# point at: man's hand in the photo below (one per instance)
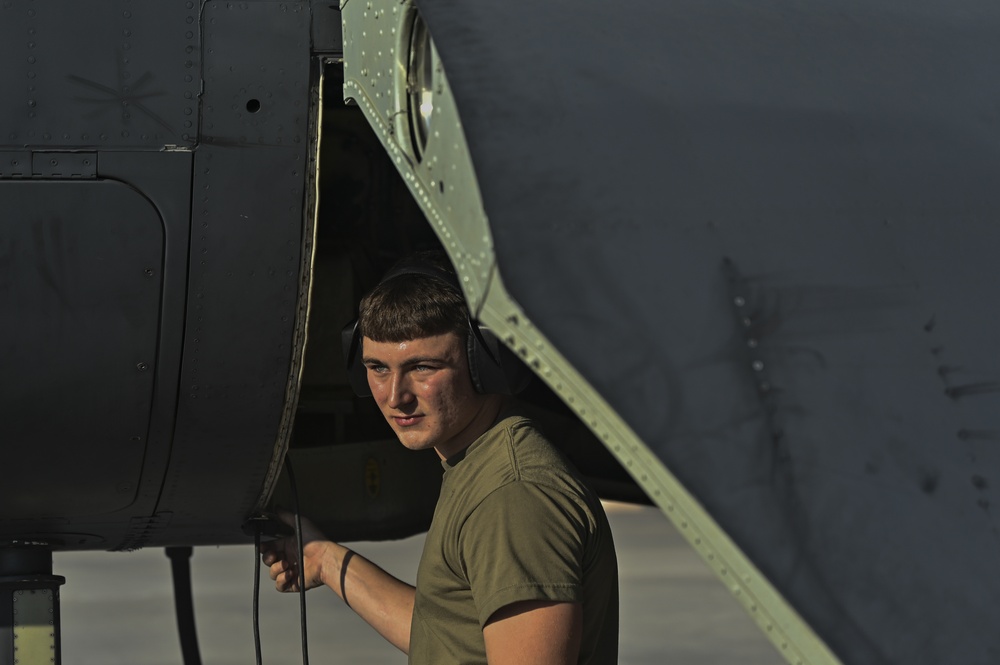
(379, 598)
(534, 632)
(281, 556)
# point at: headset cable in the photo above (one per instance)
(274, 528)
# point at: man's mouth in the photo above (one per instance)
(407, 421)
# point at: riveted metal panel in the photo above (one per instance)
(165, 179)
(15, 164)
(113, 73)
(249, 226)
(255, 74)
(440, 175)
(80, 286)
(34, 630)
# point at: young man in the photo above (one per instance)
(519, 563)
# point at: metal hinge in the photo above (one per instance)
(49, 164)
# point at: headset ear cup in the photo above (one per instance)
(351, 344)
(474, 353)
(495, 369)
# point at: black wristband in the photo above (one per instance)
(343, 575)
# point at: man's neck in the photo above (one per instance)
(485, 418)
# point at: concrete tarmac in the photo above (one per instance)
(118, 608)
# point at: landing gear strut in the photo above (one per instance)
(29, 605)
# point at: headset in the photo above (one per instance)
(494, 368)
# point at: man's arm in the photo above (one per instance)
(534, 632)
(383, 601)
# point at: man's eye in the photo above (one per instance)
(378, 369)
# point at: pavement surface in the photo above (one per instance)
(117, 608)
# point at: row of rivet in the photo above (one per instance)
(711, 556)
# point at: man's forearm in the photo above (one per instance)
(383, 601)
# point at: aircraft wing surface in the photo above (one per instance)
(766, 233)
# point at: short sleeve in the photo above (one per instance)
(524, 542)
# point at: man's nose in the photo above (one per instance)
(399, 391)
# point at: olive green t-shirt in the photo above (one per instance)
(513, 522)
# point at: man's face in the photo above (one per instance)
(424, 390)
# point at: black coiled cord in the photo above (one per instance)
(301, 576)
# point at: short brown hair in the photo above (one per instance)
(411, 305)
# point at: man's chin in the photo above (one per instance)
(413, 440)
